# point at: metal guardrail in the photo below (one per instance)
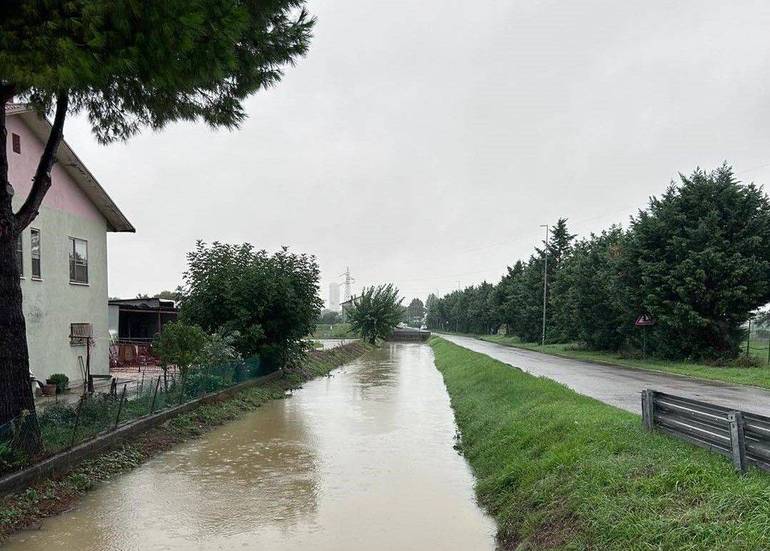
(742, 436)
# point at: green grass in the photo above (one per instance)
(336, 331)
(558, 470)
(757, 376)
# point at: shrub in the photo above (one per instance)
(746, 361)
(60, 380)
(202, 382)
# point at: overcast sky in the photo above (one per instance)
(423, 143)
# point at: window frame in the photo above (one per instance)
(39, 257)
(20, 255)
(80, 338)
(16, 143)
(73, 263)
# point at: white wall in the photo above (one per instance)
(53, 303)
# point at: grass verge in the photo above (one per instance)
(756, 376)
(336, 331)
(49, 497)
(560, 470)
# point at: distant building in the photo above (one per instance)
(334, 297)
(139, 320)
(347, 306)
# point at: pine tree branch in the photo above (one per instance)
(41, 182)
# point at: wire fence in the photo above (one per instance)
(64, 425)
(757, 344)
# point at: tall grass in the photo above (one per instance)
(560, 470)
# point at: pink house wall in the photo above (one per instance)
(64, 194)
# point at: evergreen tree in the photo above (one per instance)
(700, 263)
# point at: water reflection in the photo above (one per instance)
(359, 460)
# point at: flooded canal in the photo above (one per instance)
(359, 460)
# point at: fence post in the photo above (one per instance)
(648, 409)
(77, 420)
(181, 393)
(120, 406)
(737, 440)
(155, 395)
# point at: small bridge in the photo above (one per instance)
(409, 334)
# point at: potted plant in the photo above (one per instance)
(60, 380)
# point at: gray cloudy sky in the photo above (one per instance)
(424, 143)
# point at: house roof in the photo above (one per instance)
(69, 161)
(159, 304)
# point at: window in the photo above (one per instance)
(16, 142)
(78, 260)
(80, 333)
(20, 255)
(34, 253)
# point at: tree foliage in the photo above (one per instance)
(268, 301)
(696, 259)
(376, 312)
(330, 317)
(414, 313)
(181, 345)
(700, 263)
(133, 64)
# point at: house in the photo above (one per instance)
(347, 306)
(63, 254)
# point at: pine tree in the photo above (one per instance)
(700, 263)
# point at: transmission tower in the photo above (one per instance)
(349, 280)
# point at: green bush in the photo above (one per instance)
(202, 382)
(746, 361)
(60, 380)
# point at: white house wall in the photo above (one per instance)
(53, 303)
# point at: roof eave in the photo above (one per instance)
(116, 220)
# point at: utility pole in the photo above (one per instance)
(545, 281)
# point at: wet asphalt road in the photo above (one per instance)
(619, 386)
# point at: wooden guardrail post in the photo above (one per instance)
(648, 409)
(737, 440)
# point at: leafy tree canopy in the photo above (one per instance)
(269, 301)
(330, 317)
(376, 312)
(180, 344)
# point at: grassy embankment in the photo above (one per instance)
(560, 470)
(757, 376)
(336, 331)
(49, 497)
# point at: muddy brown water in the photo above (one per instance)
(359, 460)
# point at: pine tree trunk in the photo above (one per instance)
(16, 399)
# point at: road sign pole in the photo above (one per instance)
(545, 283)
